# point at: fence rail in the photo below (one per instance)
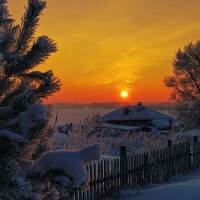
(108, 177)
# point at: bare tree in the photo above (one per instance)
(185, 84)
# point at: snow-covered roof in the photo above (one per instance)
(138, 112)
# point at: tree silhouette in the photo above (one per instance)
(185, 83)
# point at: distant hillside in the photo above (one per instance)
(103, 105)
(110, 105)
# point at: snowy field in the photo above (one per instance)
(180, 187)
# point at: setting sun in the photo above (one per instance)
(124, 94)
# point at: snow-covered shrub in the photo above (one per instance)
(80, 135)
(88, 132)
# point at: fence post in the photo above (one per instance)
(123, 167)
(195, 153)
(170, 170)
(195, 138)
(169, 142)
(122, 151)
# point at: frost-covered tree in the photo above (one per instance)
(28, 167)
(185, 84)
(24, 124)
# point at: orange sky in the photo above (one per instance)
(106, 46)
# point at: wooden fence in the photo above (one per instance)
(108, 177)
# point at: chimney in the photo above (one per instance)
(140, 107)
(126, 111)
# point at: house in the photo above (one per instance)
(140, 117)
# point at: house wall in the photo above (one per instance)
(129, 122)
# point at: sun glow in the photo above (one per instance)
(124, 94)
(128, 65)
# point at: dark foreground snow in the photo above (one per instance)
(180, 187)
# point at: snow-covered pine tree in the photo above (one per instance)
(24, 124)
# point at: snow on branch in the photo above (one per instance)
(71, 163)
(20, 89)
(29, 119)
(10, 135)
(63, 180)
(34, 74)
(2, 62)
(34, 196)
(24, 101)
(6, 111)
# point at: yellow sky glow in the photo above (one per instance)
(108, 45)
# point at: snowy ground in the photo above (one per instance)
(180, 187)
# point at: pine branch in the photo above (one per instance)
(29, 24)
(40, 51)
(5, 84)
(49, 85)
(9, 96)
(23, 101)
(8, 41)
(5, 19)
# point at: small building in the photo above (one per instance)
(141, 118)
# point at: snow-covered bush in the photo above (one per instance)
(80, 135)
(91, 131)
